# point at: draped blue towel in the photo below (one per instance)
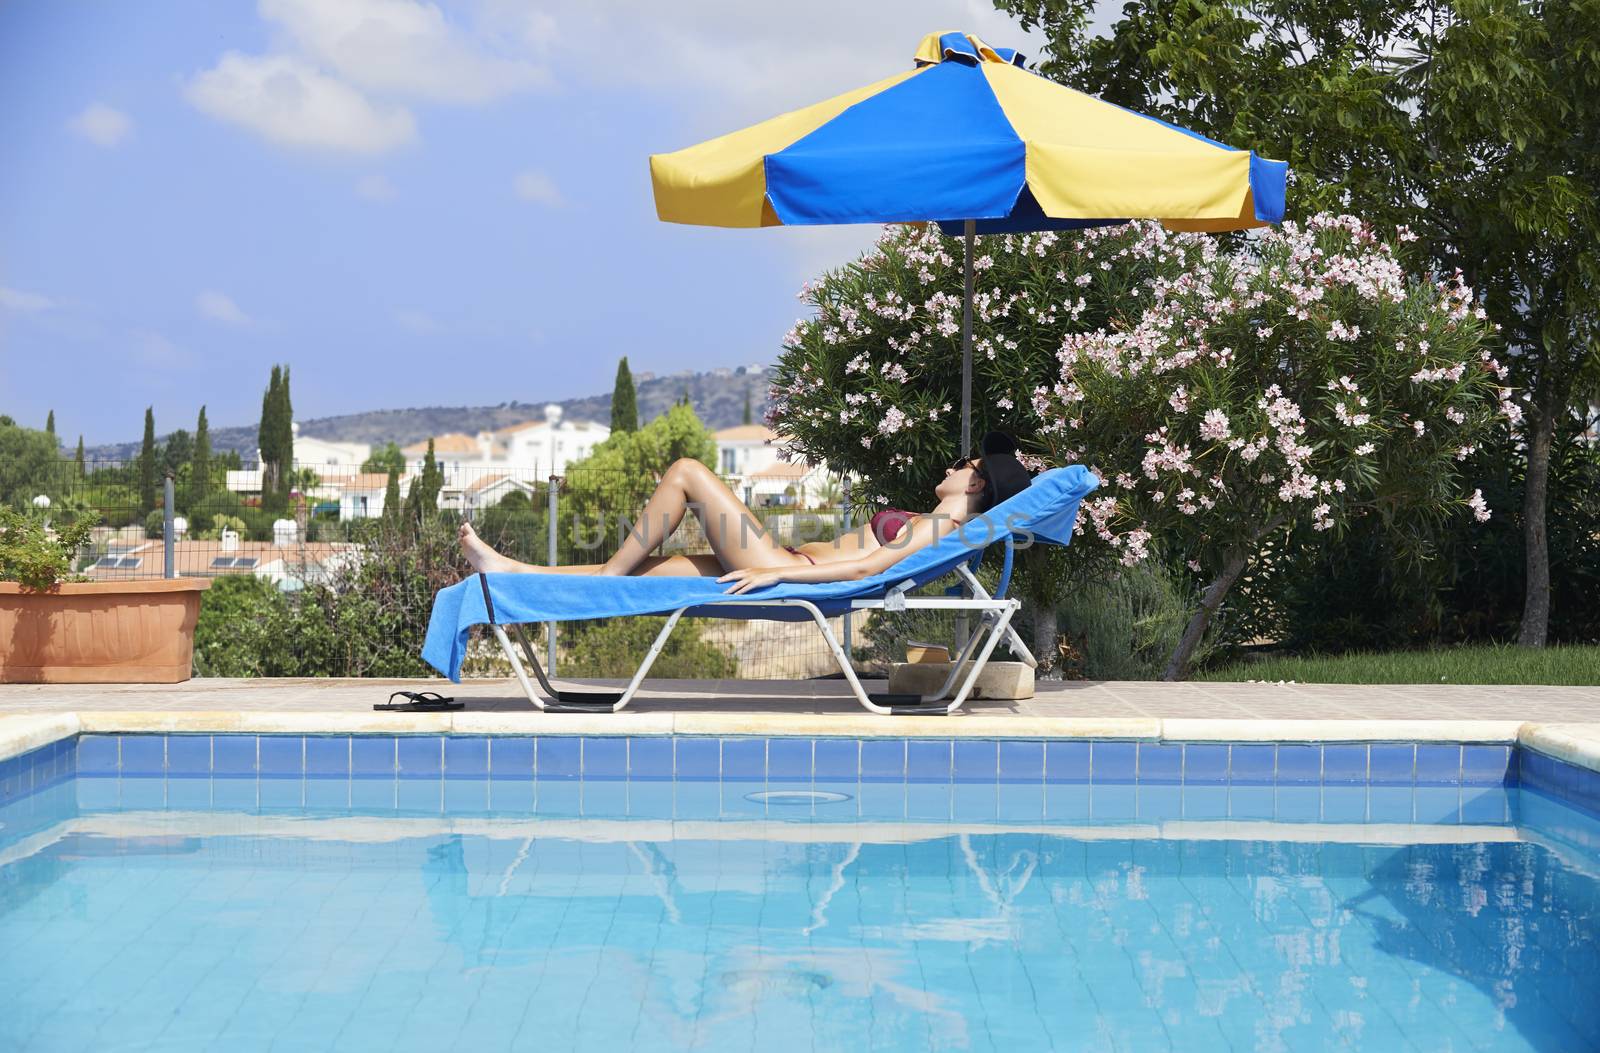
(1044, 512)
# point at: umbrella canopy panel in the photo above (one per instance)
(967, 135)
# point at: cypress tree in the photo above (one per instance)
(147, 464)
(285, 424)
(200, 465)
(50, 423)
(391, 497)
(79, 459)
(747, 404)
(624, 400)
(423, 500)
(267, 436)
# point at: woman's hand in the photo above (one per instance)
(752, 578)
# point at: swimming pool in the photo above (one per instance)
(439, 892)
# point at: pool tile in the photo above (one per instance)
(929, 799)
(189, 792)
(789, 759)
(975, 802)
(280, 793)
(1437, 804)
(327, 793)
(1253, 764)
(1021, 761)
(837, 759)
(373, 793)
(1066, 762)
(1485, 765)
(650, 757)
(511, 757)
(557, 757)
(1205, 764)
(1484, 805)
(1114, 762)
(605, 758)
(735, 797)
(328, 755)
(233, 754)
(696, 798)
(1438, 765)
(1205, 801)
(1389, 804)
(1066, 801)
(1020, 802)
(1344, 764)
(1299, 764)
(883, 759)
(1160, 801)
(975, 761)
(466, 794)
(1252, 801)
(466, 757)
(929, 760)
(511, 794)
(1392, 764)
(1298, 802)
(419, 794)
(282, 755)
(189, 755)
(744, 759)
(560, 798)
(1344, 803)
(697, 758)
(373, 756)
(235, 793)
(1115, 801)
(1161, 763)
(144, 754)
(649, 797)
(97, 754)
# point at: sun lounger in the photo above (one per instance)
(1045, 512)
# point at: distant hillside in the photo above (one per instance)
(718, 398)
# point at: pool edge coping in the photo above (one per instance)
(1576, 744)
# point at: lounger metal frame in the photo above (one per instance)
(994, 623)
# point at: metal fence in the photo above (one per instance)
(312, 524)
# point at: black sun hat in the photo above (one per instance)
(1004, 474)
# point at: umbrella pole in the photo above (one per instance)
(966, 343)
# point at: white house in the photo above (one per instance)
(744, 449)
(747, 457)
(547, 447)
(362, 497)
(310, 452)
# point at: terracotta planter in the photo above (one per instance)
(99, 632)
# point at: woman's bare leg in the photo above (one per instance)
(486, 560)
(736, 536)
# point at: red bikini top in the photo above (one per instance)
(887, 524)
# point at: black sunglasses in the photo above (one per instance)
(964, 461)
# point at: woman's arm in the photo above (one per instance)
(923, 531)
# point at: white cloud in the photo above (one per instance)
(220, 307)
(101, 125)
(416, 321)
(24, 302)
(288, 102)
(154, 351)
(376, 188)
(404, 48)
(533, 185)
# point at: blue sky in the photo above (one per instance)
(412, 204)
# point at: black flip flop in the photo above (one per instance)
(419, 702)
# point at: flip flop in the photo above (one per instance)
(419, 702)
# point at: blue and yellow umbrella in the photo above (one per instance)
(971, 140)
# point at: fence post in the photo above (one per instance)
(167, 512)
(550, 627)
(844, 528)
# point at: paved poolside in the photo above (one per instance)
(1074, 699)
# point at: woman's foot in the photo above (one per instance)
(483, 559)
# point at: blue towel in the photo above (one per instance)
(1044, 512)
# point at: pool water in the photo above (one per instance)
(187, 913)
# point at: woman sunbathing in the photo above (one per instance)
(748, 557)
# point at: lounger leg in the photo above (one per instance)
(649, 659)
(516, 665)
(1013, 638)
(844, 660)
(983, 657)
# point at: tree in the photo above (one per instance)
(78, 460)
(50, 423)
(1221, 396)
(746, 405)
(200, 461)
(624, 400)
(423, 500)
(149, 464)
(275, 437)
(1475, 123)
(177, 451)
(27, 462)
(391, 497)
(388, 460)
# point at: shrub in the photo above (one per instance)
(35, 556)
(612, 650)
(1125, 626)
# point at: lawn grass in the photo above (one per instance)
(1487, 664)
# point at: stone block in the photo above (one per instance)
(999, 680)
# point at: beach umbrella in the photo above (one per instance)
(971, 140)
